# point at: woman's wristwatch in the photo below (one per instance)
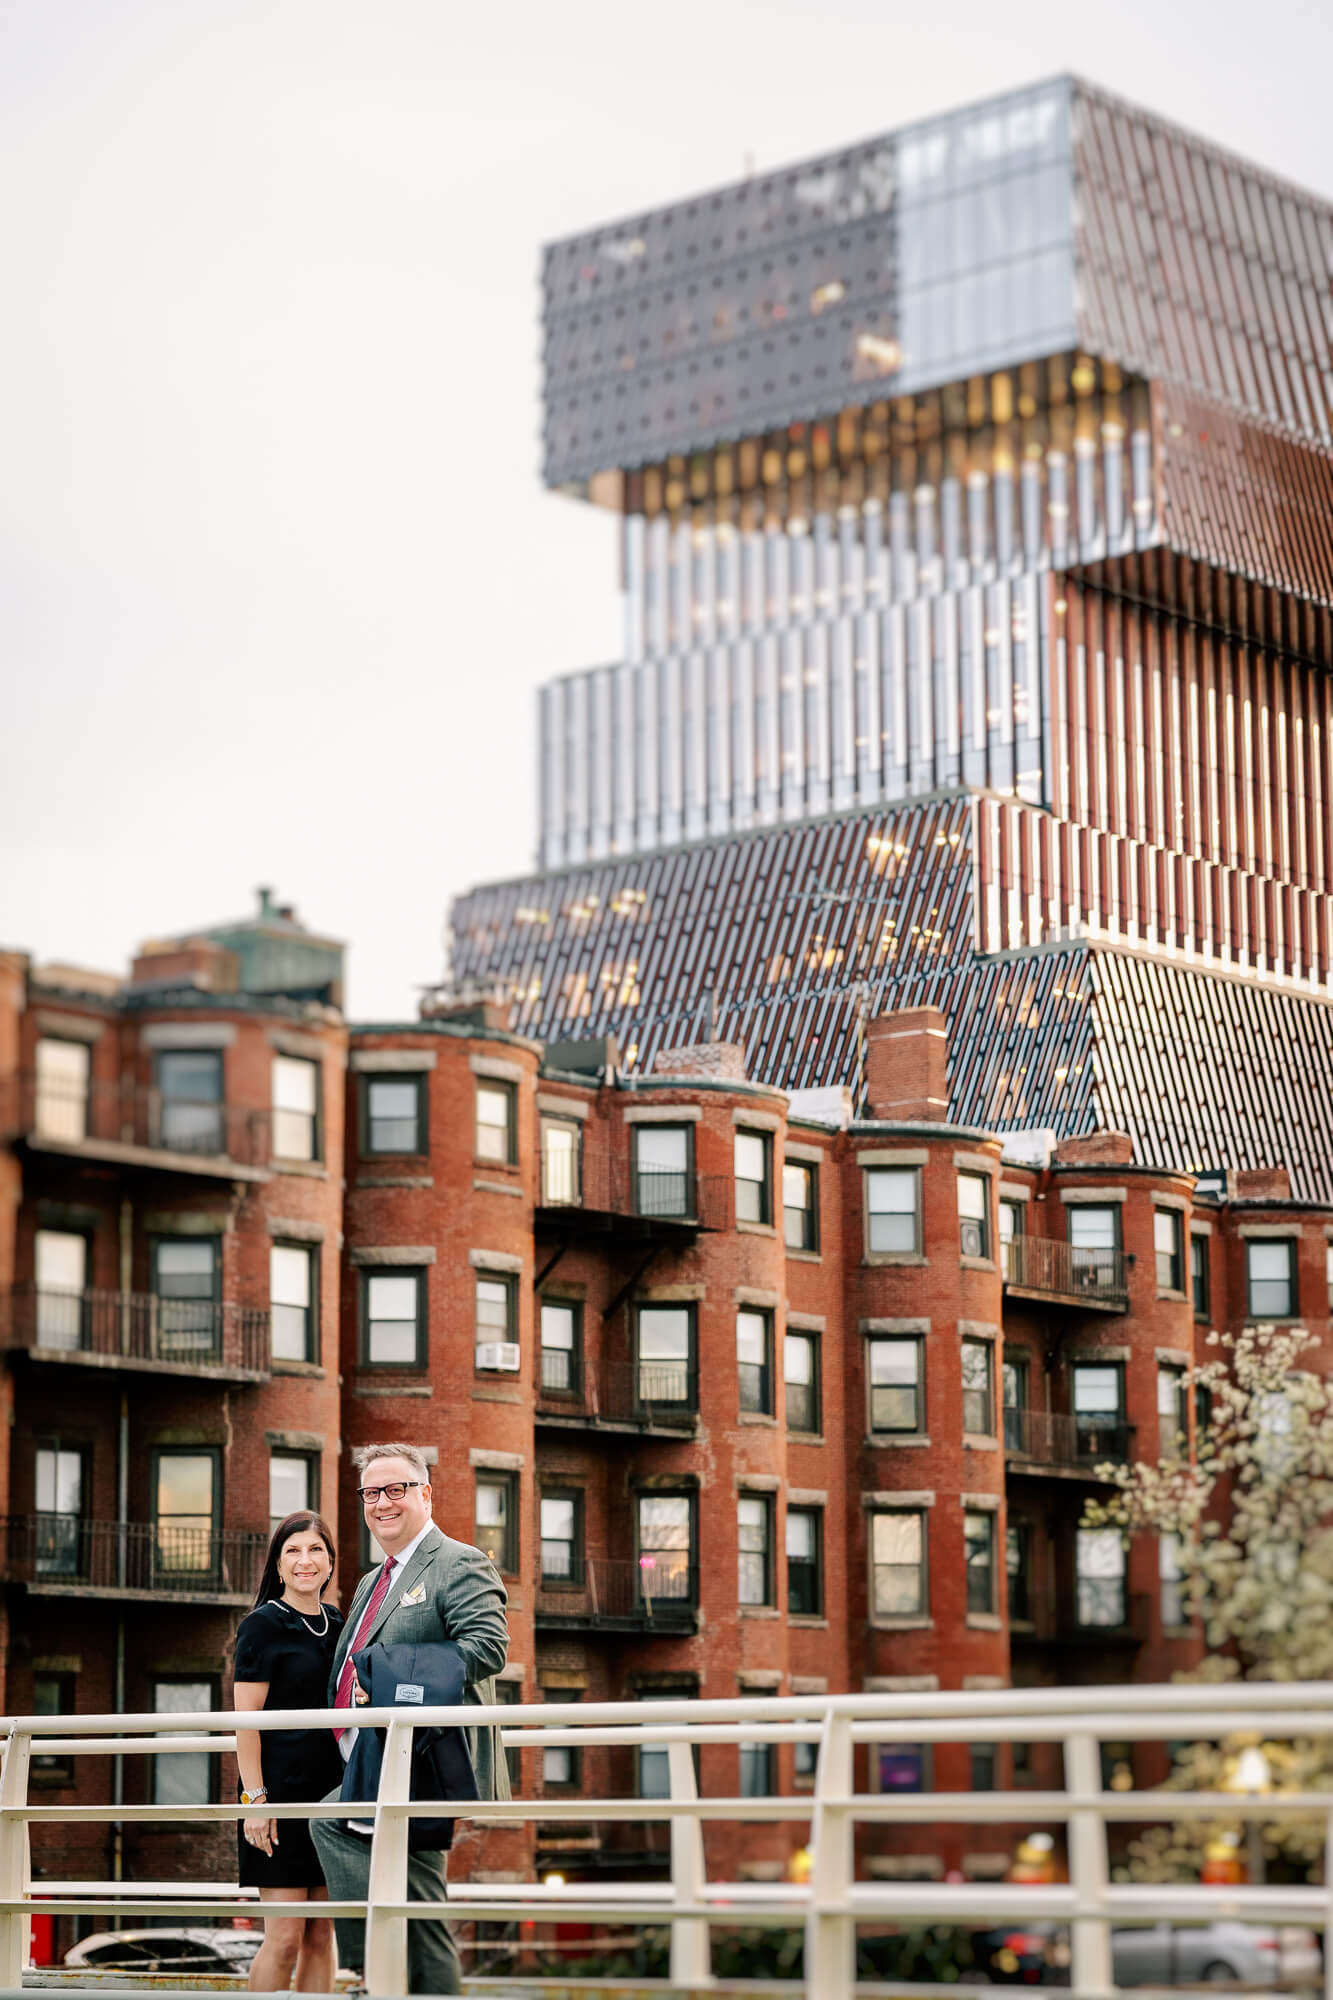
(254, 1798)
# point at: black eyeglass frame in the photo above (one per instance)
(393, 1491)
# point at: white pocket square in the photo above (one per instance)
(417, 1596)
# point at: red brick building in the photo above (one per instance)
(740, 1401)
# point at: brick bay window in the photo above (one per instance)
(974, 1215)
(754, 1360)
(800, 1205)
(898, 1563)
(296, 1133)
(754, 1177)
(893, 1211)
(754, 1529)
(897, 1386)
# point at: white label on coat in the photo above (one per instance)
(408, 1691)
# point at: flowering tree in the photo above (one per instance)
(1252, 1517)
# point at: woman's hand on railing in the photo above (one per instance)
(261, 1833)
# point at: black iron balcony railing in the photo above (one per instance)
(1045, 1266)
(1052, 1437)
(148, 1558)
(136, 1328)
(645, 1394)
(55, 1113)
(660, 1590)
(598, 1185)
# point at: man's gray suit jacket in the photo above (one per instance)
(463, 1599)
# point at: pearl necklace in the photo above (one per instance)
(318, 1630)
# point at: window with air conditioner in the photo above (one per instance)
(497, 1323)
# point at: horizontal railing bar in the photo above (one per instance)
(215, 1810)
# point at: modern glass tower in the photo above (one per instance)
(976, 489)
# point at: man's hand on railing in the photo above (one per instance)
(261, 1833)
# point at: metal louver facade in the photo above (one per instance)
(976, 489)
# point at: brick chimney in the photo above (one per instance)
(1096, 1149)
(718, 1060)
(906, 1061)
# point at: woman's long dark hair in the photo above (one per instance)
(300, 1523)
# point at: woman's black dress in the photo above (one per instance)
(276, 1644)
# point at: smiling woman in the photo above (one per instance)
(284, 1651)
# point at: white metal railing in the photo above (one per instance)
(829, 1906)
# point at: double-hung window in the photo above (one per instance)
(754, 1360)
(61, 1270)
(1168, 1235)
(666, 1547)
(893, 1210)
(663, 1181)
(1094, 1239)
(562, 1764)
(495, 1511)
(293, 1485)
(393, 1114)
(800, 1368)
(186, 1777)
(800, 1205)
(189, 1101)
(978, 1396)
(496, 1321)
(562, 1146)
(1099, 1556)
(1270, 1277)
(979, 1552)
(393, 1319)
(187, 1280)
(497, 1123)
(1015, 1375)
(898, 1564)
(1199, 1291)
(1018, 1568)
(754, 1525)
(897, 1389)
(187, 1491)
(63, 1084)
(293, 1289)
(1170, 1411)
(52, 1694)
(666, 1357)
(60, 1487)
(1099, 1409)
(560, 1329)
(562, 1537)
(296, 1134)
(754, 1177)
(974, 1215)
(1172, 1601)
(805, 1549)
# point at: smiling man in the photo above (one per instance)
(427, 1588)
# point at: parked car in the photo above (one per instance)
(167, 1950)
(1215, 1954)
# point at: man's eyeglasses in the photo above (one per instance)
(393, 1492)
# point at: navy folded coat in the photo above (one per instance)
(429, 1675)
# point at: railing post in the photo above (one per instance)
(830, 1929)
(14, 1872)
(1090, 1970)
(691, 1954)
(386, 1936)
(1328, 1924)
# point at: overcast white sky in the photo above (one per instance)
(277, 574)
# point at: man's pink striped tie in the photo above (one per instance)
(343, 1698)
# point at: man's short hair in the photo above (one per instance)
(366, 1454)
